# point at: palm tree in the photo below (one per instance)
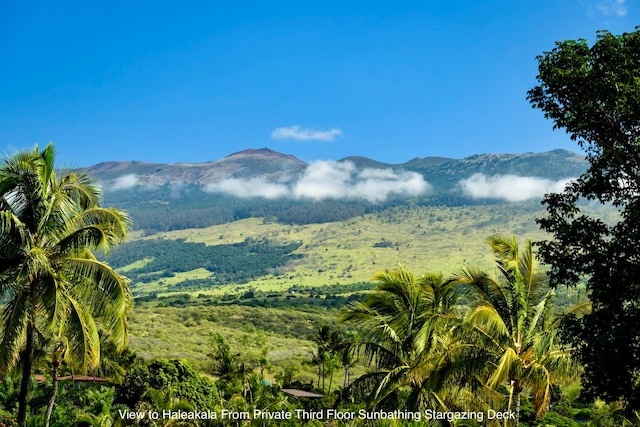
(509, 336)
(349, 351)
(49, 276)
(324, 338)
(226, 364)
(403, 324)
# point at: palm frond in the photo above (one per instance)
(99, 285)
(539, 382)
(12, 228)
(508, 366)
(486, 319)
(82, 188)
(35, 265)
(483, 289)
(82, 333)
(15, 316)
(577, 310)
(536, 317)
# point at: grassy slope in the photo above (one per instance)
(423, 238)
(186, 332)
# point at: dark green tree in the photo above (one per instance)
(593, 93)
(167, 384)
(327, 341)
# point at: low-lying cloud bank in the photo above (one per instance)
(330, 180)
(512, 188)
(343, 180)
(124, 182)
(254, 187)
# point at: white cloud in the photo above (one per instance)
(305, 134)
(340, 180)
(255, 187)
(512, 188)
(124, 182)
(324, 179)
(330, 180)
(611, 7)
(377, 189)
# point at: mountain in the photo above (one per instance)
(554, 164)
(250, 163)
(426, 162)
(266, 163)
(272, 166)
(366, 163)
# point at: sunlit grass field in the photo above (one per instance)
(439, 239)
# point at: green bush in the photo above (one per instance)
(556, 420)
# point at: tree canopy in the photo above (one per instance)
(593, 93)
(53, 286)
(509, 334)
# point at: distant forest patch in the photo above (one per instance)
(232, 263)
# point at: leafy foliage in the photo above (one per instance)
(404, 326)
(593, 92)
(173, 376)
(429, 355)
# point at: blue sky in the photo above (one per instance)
(195, 81)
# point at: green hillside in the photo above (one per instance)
(342, 252)
(440, 239)
(178, 330)
(279, 311)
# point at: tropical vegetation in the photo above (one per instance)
(440, 356)
(283, 327)
(510, 334)
(58, 297)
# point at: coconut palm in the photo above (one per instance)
(323, 338)
(404, 323)
(50, 280)
(349, 351)
(509, 335)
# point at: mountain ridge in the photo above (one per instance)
(273, 166)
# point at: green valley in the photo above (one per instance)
(175, 315)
